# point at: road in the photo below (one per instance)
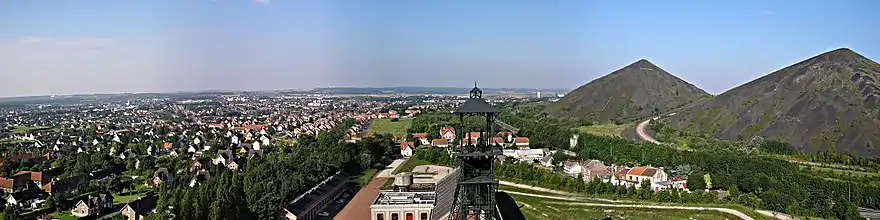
(640, 130)
(576, 201)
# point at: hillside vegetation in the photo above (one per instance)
(636, 91)
(825, 103)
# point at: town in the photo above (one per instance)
(101, 156)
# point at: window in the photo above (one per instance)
(424, 216)
(380, 216)
(409, 216)
(395, 216)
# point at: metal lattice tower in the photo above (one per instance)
(475, 193)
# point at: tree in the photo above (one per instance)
(708, 180)
(11, 212)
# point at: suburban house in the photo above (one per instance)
(406, 148)
(508, 136)
(92, 205)
(36, 177)
(594, 170)
(139, 209)
(635, 176)
(17, 183)
(421, 137)
(521, 142)
(223, 156)
(572, 168)
(447, 133)
(474, 135)
(160, 176)
(498, 141)
(440, 143)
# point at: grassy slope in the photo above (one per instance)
(607, 129)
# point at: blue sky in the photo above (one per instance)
(85, 46)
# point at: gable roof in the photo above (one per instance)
(142, 206)
(405, 144)
(445, 130)
(521, 140)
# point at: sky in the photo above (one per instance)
(108, 46)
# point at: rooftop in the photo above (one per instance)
(405, 198)
(430, 173)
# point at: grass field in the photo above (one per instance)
(608, 129)
(396, 128)
(65, 215)
(539, 208)
(365, 177)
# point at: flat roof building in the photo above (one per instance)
(441, 181)
(403, 206)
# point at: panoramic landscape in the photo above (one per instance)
(380, 110)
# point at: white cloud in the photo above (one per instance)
(265, 2)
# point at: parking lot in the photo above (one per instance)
(337, 205)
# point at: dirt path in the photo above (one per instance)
(640, 130)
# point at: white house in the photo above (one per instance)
(406, 148)
(636, 175)
(572, 168)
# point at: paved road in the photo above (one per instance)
(577, 202)
(386, 173)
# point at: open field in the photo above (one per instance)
(607, 129)
(535, 208)
(396, 128)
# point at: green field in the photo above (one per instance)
(65, 215)
(608, 129)
(396, 128)
(365, 177)
(539, 208)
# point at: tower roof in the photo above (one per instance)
(476, 103)
(476, 106)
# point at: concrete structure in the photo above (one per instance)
(439, 180)
(402, 206)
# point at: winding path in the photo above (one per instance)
(640, 130)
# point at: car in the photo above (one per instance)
(340, 201)
(323, 214)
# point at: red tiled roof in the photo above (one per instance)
(497, 140)
(637, 170)
(404, 145)
(420, 135)
(6, 183)
(168, 145)
(521, 140)
(475, 134)
(437, 142)
(445, 130)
